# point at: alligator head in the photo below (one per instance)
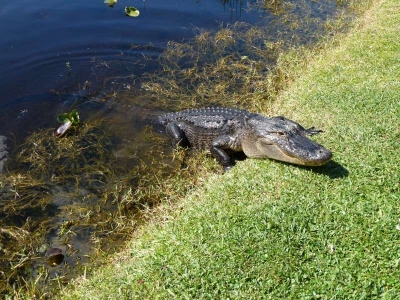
(282, 139)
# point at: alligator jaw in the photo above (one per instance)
(296, 149)
(275, 152)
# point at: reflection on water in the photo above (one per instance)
(78, 193)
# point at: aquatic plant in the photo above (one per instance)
(132, 11)
(236, 65)
(67, 120)
(72, 190)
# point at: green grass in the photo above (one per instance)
(268, 230)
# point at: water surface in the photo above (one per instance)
(51, 47)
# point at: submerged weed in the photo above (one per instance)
(237, 65)
(72, 193)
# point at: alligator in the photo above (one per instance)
(223, 131)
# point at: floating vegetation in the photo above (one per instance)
(132, 11)
(236, 65)
(67, 120)
(29, 199)
(110, 3)
(72, 193)
(225, 68)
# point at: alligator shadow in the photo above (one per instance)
(332, 169)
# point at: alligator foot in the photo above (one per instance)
(217, 150)
(177, 135)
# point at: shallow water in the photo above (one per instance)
(60, 55)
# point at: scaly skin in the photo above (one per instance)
(225, 130)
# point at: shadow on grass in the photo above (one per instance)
(332, 169)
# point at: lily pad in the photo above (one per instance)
(110, 2)
(72, 117)
(66, 120)
(132, 11)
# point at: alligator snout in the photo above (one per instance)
(322, 157)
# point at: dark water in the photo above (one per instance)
(49, 47)
(62, 54)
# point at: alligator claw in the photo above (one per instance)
(227, 168)
(313, 131)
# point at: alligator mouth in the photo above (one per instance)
(298, 150)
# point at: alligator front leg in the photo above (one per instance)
(217, 150)
(177, 135)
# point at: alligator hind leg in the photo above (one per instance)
(178, 137)
(217, 150)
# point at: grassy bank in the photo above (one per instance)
(271, 230)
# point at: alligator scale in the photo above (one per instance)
(222, 131)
